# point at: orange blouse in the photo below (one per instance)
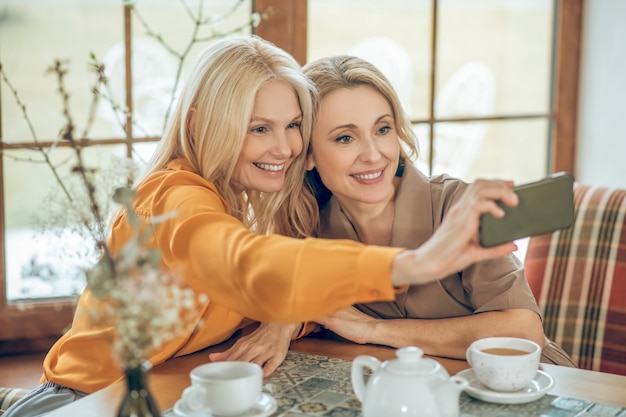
(266, 278)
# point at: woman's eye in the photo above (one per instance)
(259, 129)
(294, 125)
(343, 139)
(384, 130)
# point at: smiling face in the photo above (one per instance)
(354, 145)
(272, 142)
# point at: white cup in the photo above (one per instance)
(224, 388)
(504, 363)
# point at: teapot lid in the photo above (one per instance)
(410, 362)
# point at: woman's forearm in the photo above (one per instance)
(450, 337)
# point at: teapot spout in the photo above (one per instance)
(448, 394)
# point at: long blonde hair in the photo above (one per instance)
(221, 91)
(346, 71)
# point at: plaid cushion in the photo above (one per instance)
(578, 276)
(10, 395)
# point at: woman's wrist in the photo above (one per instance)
(297, 331)
(412, 267)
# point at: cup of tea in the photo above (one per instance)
(223, 388)
(504, 363)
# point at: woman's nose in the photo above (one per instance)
(369, 149)
(282, 146)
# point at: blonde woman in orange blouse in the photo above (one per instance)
(231, 165)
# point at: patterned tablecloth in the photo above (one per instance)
(312, 385)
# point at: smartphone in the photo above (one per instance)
(544, 206)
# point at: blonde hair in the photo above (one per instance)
(221, 90)
(346, 71)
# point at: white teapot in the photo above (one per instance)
(407, 386)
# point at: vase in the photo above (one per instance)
(137, 401)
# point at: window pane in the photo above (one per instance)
(395, 37)
(497, 51)
(34, 34)
(37, 38)
(514, 149)
(165, 43)
(511, 149)
(46, 245)
(35, 266)
(422, 132)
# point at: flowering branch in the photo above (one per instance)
(45, 154)
(199, 22)
(142, 302)
(67, 134)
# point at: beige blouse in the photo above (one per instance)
(421, 204)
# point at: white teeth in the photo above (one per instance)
(269, 167)
(369, 176)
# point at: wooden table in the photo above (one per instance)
(168, 380)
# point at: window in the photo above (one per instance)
(491, 86)
(39, 249)
(538, 132)
(454, 61)
(440, 37)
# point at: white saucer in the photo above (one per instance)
(537, 388)
(264, 406)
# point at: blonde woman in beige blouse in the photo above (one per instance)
(357, 154)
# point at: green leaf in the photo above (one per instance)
(129, 255)
(161, 218)
(124, 196)
(154, 256)
(100, 277)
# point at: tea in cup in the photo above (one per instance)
(223, 388)
(504, 363)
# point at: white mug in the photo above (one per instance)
(504, 363)
(224, 388)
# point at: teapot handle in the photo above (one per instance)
(358, 380)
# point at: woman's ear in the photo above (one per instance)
(309, 163)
